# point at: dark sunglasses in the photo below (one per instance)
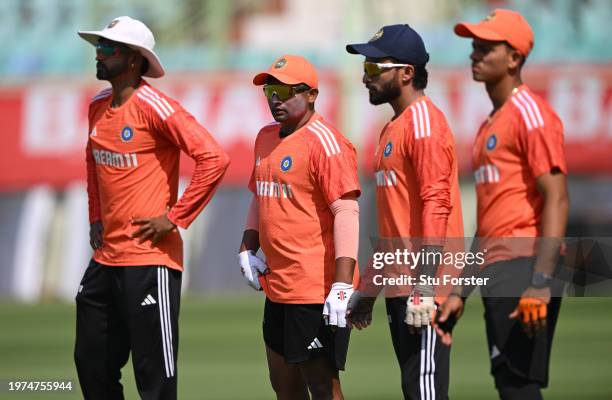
(109, 50)
(283, 92)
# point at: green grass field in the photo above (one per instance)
(222, 356)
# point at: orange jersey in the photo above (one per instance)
(133, 169)
(417, 183)
(517, 144)
(295, 179)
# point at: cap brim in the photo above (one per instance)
(262, 77)
(366, 49)
(477, 31)
(155, 70)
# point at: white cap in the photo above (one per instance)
(133, 33)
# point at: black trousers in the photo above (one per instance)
(424, 361)
(123, 309)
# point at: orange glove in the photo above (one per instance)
(532, 313)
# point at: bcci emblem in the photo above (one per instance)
(286, 164)
(280, 63)
(388, 149)
(490, 17)
(491, 142)
(113, 23)
(127, 134)
(376, 36)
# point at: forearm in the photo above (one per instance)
(93, 195)
(250, 241)
(345, 267)
(209, 170)
(554, 220)
(434, 220)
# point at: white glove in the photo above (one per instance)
(419, 310)
(334, 310)
(251, 267)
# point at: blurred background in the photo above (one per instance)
(211, 49)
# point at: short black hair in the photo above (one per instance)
(419, 81)
(144, 66)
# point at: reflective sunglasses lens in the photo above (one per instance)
(283, 92)
(106, 50)
(371, 69)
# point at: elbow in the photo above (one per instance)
(224, 160)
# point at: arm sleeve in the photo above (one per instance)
(543, 147)
(432, 158)
(346, 227)
(252, 221)
(93, 193)
(211, 161)
(335, 174)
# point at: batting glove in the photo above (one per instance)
(334, 310)
(251, 267)
(420, 309)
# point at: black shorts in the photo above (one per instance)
(510, 349)
(424, 361)
(298, 333)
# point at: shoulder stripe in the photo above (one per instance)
(330, 133)
(316, 132)
(529, 110)
(415, 124)
(534, 106)
(523, 113)
(420, 113)
(102, 94)
(426, 114)
(159, 100)
(163, 115)
(420, 120)
(326, 137)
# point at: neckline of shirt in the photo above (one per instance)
(134, 94)
(315, 116)
(514, 92)
(422, 99)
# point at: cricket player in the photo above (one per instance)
(520, 174)
(304, 215)
(417, 196)
(129, 297)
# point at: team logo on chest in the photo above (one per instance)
(491, 142)
(127, 134)
(388, 149)
(286, 164)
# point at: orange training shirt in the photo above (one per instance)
(133, 156)
(417, 184)
(517, 144)
(295, 179)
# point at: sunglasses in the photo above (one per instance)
(375, 69)
(109, 50)
(283, 92)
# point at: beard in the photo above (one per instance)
(389, 91)
(105, 73)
